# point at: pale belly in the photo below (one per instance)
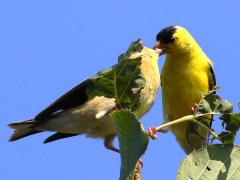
(148, 94)
(84, 119)
(147, 101)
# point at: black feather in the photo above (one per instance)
(166, 35)
(73, 98)
(212, 78)
(58, 136)
(14, 138)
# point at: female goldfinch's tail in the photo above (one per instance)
(22, 129)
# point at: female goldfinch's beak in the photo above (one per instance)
(158, 49)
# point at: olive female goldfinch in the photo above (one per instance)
(86, 108)
(186, 74)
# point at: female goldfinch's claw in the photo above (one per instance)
(152, 133)
(140, 162)
(194, 108)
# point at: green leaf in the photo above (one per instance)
(133, 141)
(123, 81)
(231, 123)
(216, 162)
(227, 137)
(225, 107)
(135, 47)
(212, 103)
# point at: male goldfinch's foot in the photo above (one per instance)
(165, 130)
(152, 133)
(194, 108)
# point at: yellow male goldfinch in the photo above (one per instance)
(187, 74)
(132, 83)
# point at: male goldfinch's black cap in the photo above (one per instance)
(166, 35)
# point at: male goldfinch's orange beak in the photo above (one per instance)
(157, 45)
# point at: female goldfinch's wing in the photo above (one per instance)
(77, 96)
(74, 97)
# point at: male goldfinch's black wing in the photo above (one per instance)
(207, 119)
(211, 84)
(191, 127)
(211, 78)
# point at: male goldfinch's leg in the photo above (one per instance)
(152, 133)
(194, 107)
(153, 130)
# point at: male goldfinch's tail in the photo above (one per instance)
(22, 129)
(194, 137)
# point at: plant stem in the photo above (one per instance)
(177, 121)
(188, 118)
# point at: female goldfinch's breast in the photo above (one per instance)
(150, 71)
(182, 86)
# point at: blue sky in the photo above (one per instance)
(47, 47)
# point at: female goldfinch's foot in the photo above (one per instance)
(194, 108)
(138, 169)
(140, 163)
(152, 133)
(108, 143)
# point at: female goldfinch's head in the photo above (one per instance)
(174, 39)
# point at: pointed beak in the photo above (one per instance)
(158, 49)
(157, 45)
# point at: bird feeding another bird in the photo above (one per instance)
(133, 84)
